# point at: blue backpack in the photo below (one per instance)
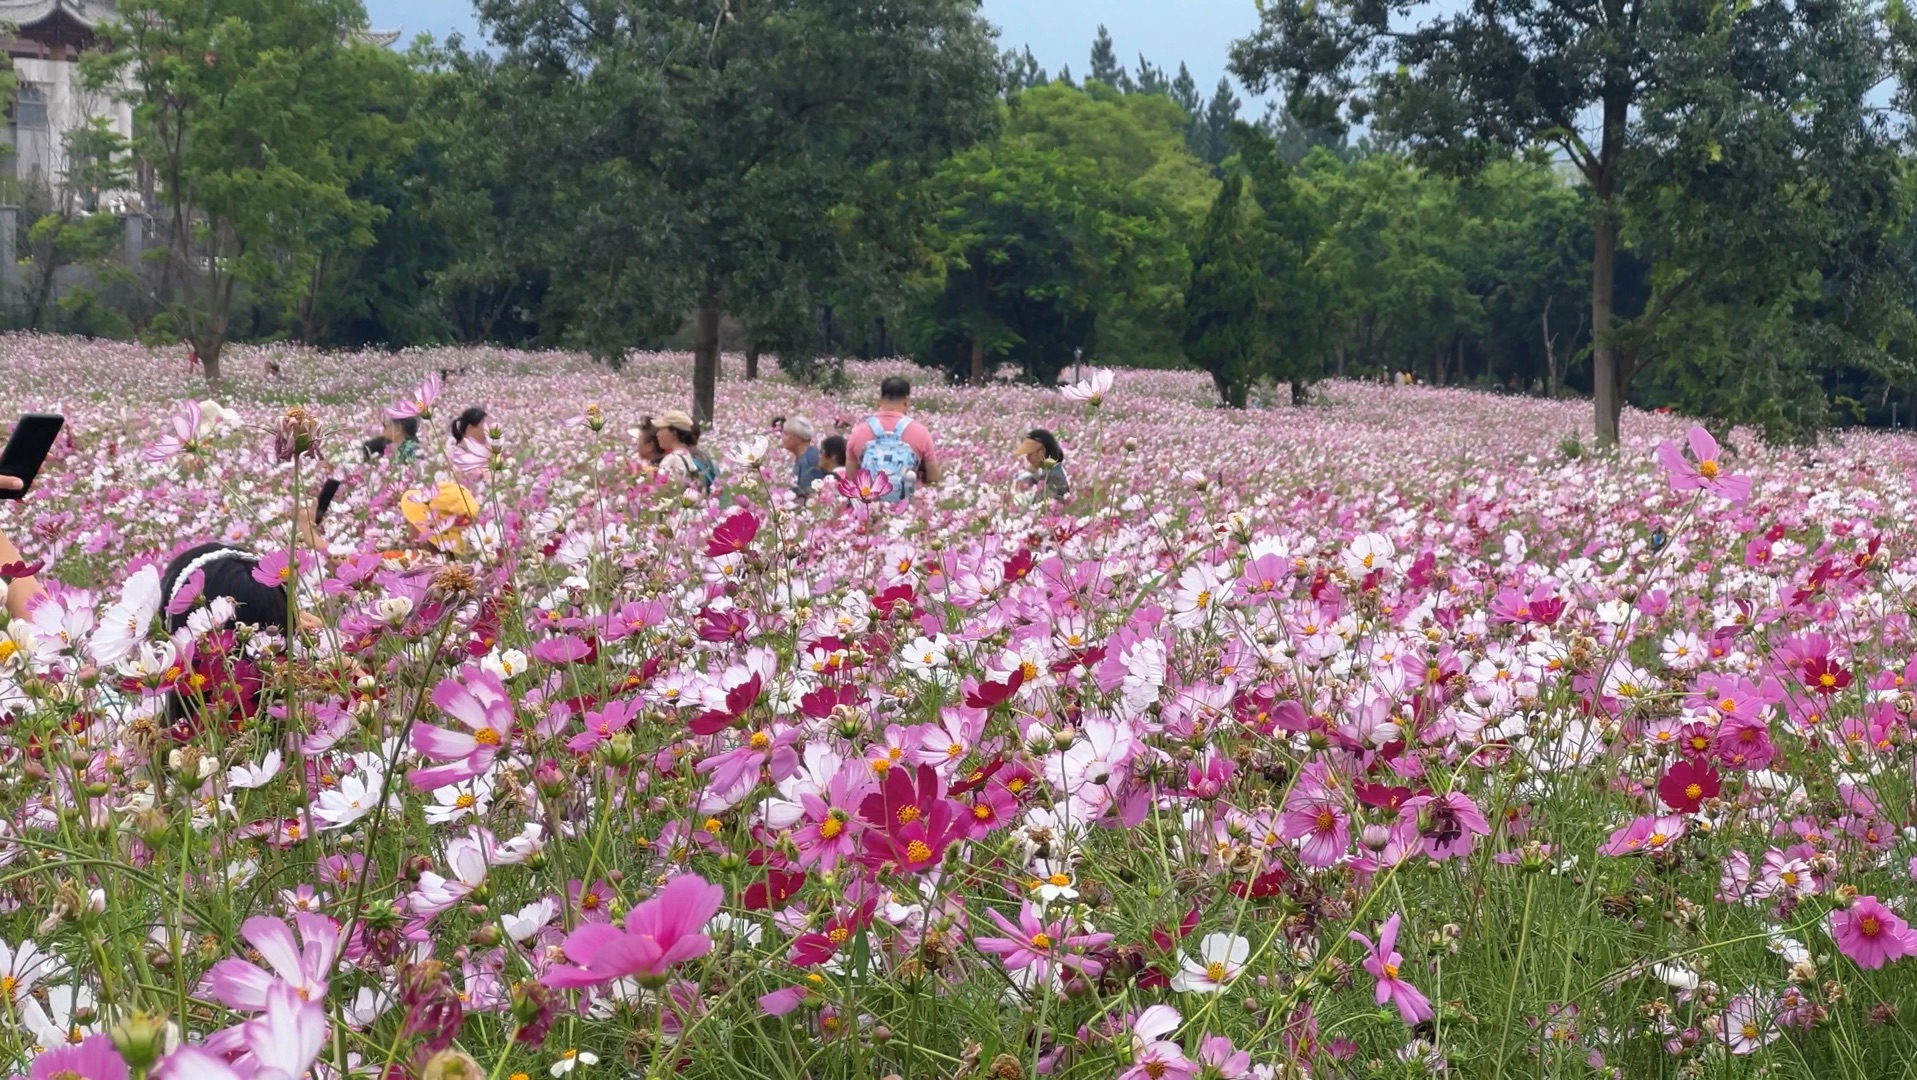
(889, 454)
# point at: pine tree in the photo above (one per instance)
(1210, 138)
(1224, 331)
(1105, 67)
(1184, 90)
(1022, 71)
(1151, 80)
(1065, 75)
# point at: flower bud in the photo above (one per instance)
(551, 780)
(140, 1039)
(452, 1065)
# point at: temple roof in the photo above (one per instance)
(381, 38)
(24, 13)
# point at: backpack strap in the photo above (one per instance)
(898, 429)
(878, 430)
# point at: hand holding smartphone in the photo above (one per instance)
(27, 449)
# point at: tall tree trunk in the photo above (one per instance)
(210, 359)
(1341, 359)
(752, 362)
(978, 361)
(1550, 349)
(1607, 387)
(705, 357)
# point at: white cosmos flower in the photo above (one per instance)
(530, 919)
(571, 1059)
(1221, 957)
(248, 776)
(1052, 881)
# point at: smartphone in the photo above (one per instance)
(327, 491)
(27, 449)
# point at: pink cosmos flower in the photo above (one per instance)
(477, 700)
(603, 724)
(244, 986)
(282, 1044)
(1872, 934)
(189, 434)
(1155, 1057)
(659, 934)
(1448, 823)
(865, 486)
(420, 404)
(1216, 1053)
(1040, 945)
(1746, 1026)
(1321, 823)
(93, 1059)
(1383, 963)
(1645, 835)
(1701, 471)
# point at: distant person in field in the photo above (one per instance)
(472, 421)
(795, 434)
(400, 437)
(832, 455)
(649, 449)
(679, 439)
(891, 443)
(1045, 466)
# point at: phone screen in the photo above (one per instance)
(27, 450)
(328, 491)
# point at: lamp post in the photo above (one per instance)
(1078, 356)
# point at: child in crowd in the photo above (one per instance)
(832, 455)
(1045, 465)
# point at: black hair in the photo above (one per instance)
(1049, 443)
(232, 577)
(375, 446)
(833, 446)
(894, 388)
(688, 436)
(467, 421)
(407, 424)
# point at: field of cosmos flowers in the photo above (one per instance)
(1377, 738)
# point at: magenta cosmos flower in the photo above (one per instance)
(1871, 934)
(1321, 826)
(659, 934)
(1702, 471)
(1383, 964)
(478, 701)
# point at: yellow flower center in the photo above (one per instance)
(466, 801)
(1707, 469)
(1751, 1031)
(713, 824)
(1326, 819)
(760, 740)
(1694, 791)
(1041, 941)
(837, 935)
(1202, 600)
(1029, 670)
(1390, 971)
(1788, 877)
(982, 811)
(1015, 785)
(954, 750)
(1059, 880)
(1867, 926)
(918, 851)
(7, 649)
(7, 985)
(908, 814)
(830, 828)
(486, 737)
(1727, 705)
(1215, 971)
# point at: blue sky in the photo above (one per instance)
(1199, 32)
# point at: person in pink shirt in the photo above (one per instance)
(893, 443)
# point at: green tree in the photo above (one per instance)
(256, 117)
(1604, 83)
(1224, 333)
(66, 229)
(1067, 234)
(693, 158)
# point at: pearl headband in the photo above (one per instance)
(201, 563)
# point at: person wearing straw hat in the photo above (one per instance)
(678, 436)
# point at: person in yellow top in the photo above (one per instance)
(440, 517)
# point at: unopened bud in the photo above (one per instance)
(140, 1039)
(452, 1065)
